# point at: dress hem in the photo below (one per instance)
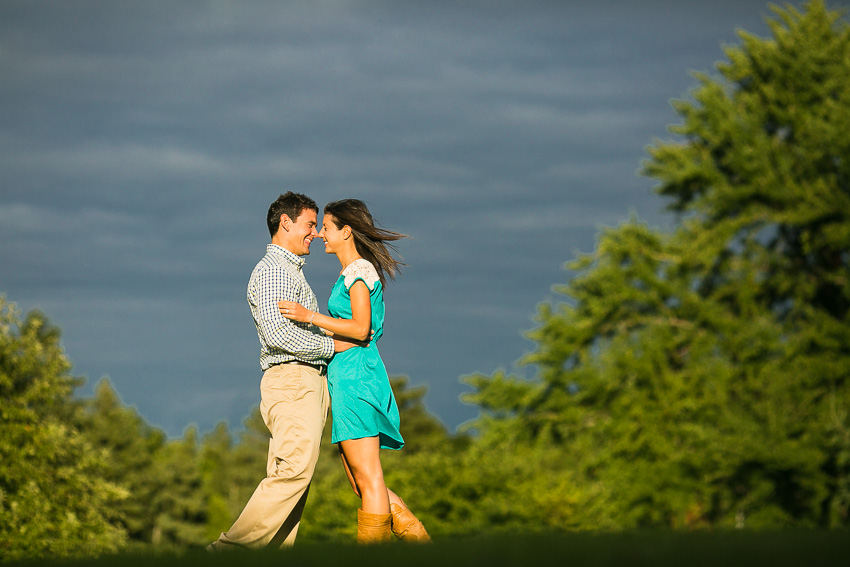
(396, 446)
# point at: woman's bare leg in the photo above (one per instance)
(394, 498)
(405, 524)
(348, 471)
(363, 466)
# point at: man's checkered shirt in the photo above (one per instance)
(278, 277)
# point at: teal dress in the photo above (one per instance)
(362, 402)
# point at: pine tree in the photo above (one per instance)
(763, 179)
(701, 377)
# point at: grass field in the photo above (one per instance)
(655, 549)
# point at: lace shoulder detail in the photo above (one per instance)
(360, 269)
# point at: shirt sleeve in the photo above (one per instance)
(276, 284)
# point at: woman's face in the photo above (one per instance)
(332, 236)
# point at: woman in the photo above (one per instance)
(365, 415)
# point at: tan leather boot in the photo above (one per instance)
(406, 526)
(374, 528)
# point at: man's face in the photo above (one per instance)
(302, 232)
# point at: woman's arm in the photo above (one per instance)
(358, 327)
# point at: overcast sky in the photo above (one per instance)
(142, 142)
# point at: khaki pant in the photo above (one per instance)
(294, 405)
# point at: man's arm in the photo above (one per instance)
(274, 284)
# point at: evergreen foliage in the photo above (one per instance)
(700, 378)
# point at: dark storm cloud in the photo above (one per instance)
(141, 142)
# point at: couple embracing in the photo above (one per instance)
(311, 361)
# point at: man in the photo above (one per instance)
(294, 394)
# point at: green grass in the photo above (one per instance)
(655, 549)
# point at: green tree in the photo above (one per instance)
(216, 471)
(763, 179)
(55, 498)
(132, 446)
(180, 509)
(700, 378)
(231, 471)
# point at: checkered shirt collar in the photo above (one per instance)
(282, 252)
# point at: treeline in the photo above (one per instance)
(90, 476)
(697, 378)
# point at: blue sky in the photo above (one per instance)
(142, 142)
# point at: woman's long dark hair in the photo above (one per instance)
(371, 242)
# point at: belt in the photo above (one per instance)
(320, 367)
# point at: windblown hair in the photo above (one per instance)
(290, 204)
(371, 242)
